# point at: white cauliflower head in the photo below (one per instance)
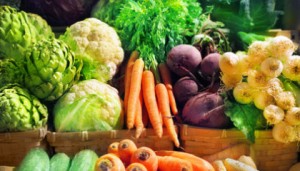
(98, 41)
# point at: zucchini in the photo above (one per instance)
(36, 159)
(84, 160)
(60, 162)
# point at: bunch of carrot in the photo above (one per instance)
(145, 96)
(126, 156)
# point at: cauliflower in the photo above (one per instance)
(97, 43)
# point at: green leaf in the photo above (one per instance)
(244, 117)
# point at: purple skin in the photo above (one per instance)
(205, 110)
(210, 64)
(184, 58)
(184, 89)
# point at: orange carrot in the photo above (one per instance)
(134, 91)
(114, 148)
(136, 167)
(167, 80)
(134, 55)
(198, 163)
(138, 123)
(147, 157)
(126, 148)
(109, 162)
(148, 89)
(164, 108)
(173, 163)
(233, 152)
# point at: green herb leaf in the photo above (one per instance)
(245, 117)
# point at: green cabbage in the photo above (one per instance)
(19, 110)
(89, 105)
(19, 30)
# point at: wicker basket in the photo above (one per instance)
(268, 154)
(72, 142)
(14, 146)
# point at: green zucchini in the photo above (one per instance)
(37, 159)
(84, 160)
(60, 162)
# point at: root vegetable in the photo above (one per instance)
(205, 109)
(184, 89)
(231, 80)
(258, 52)
(183, 59)
(292, 116)
(285, 100)
(291, 68)
(273, 114)
(229, 63)
(271, 67)
(243, 93)
(263, 99)
(284, 133)
(210, 65)
(257, 79)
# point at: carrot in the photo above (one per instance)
(198, 163)
(148, 89)
(173, 163)
(138, 123)
(167, 80)
(109, 162)
(134, 91)
(136, 167)
(126, 148)
(147, 157)
(145, 116)
(164, 108)
(128, 70)
(113, 148)
(233, 152)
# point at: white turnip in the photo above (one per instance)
(206, 109)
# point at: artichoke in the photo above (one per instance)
(19, 110)
(50, 69)
(19, 30)
(11, 71)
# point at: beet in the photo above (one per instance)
(206, 109)
(184, 89)
(210, 64)
(183, 59)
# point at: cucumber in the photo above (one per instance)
(84, 160)
(36, 159)
(60, 162)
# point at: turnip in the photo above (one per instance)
(184, 89)
(184, 60)
(206, 109)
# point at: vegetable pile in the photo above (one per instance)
(263, 82)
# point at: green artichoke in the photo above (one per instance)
(11, 71)
(19, 30)
(19, 110)
(50, 69)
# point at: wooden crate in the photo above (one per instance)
(268, 154)
(72, 142)
(14, 146)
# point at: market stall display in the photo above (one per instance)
(181, 90)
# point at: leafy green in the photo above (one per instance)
(249, 16)
(153, 27)
(245, 117)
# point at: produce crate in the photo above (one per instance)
(72, 142)
(268, 154)
(15, 145)
(7, 168)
